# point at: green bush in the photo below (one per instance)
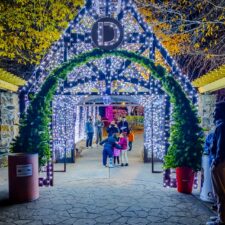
(3, 161)
(186, 136)
(135, 119)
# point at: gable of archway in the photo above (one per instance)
(77, 39)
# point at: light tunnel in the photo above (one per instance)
(72, 106)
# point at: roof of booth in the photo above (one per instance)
(9, 81)
(212, 81)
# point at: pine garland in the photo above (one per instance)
(185, 134)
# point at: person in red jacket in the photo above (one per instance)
(123, 142)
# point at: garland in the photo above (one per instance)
(185, 134)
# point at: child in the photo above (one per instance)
(130, 139)
(116, 154)
(109, 144)
(123, 143)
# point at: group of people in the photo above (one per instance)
(119, 140)
(90, 128)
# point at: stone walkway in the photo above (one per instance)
(89, 194)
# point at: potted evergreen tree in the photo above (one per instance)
(30, 150)
(186, 143)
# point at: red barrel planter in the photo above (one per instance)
(185, 179)
(23, 177)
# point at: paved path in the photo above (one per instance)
(91, 194)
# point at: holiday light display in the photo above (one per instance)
(65, 122)
(77, 39)
(100, 76)
(192, 135)
(154, 125)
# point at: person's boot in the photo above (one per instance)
(122, 164)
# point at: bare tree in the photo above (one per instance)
(203, 22)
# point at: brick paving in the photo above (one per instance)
(89, 194)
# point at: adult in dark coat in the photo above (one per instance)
(123, 125)
(109, 144)
(112, 129)
(218, 163)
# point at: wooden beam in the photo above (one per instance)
(214, 86)
(7, 86)
(210, 77)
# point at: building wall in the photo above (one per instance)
(206, 108)
(9, 119)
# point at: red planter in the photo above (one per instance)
(185, 179)
(23, 177)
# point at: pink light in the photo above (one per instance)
(109, 113)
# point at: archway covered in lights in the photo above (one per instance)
(100, 77)
(71, 110)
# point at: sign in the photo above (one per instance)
(206, 187)
(107, 100)
(107, 33)
(24, 170)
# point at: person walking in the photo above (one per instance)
(123, 125)
(109, 143)
(112, 129)
(89, 129)
(99, 125)
(218, 164)
(123, 142)
(130, 139)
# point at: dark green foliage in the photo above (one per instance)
(185, 135)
